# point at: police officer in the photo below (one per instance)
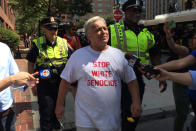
(48, 55)
(128, 36)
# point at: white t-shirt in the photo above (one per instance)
(99, 76)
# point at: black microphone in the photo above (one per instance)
(134, 61)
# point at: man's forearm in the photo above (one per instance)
(134, 91)
(181, 78)
(6, 83)
(178, 49)
(63, 89)
(169, 66)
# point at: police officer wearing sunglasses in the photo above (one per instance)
(128, 36)
(48, 55)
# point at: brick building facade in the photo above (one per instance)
(100, 8)
(7, 18)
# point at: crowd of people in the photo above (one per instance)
(107, 91)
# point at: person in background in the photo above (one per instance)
(98, 69)
(74, 44)
(10, 77)
(132, 38)
(188, 61)
(26, 40)
(71, 36)
(48, 55)
(181, 98)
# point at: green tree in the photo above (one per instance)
(30, 12)
(109, 19)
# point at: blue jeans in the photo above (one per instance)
(7, 122)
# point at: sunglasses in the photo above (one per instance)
(51, 28)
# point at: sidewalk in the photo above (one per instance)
(25, 105)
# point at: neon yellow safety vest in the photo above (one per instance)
(51, 56)
(128, 41)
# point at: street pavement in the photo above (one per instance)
(160, 123)
(158, 108)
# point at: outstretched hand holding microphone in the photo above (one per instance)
(148, 70)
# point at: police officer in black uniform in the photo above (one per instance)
(48, 55)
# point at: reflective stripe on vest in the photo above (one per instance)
(138, 45)
(52, 56)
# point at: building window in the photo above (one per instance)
(100, 4)
(93, 4)
(100, 10)
(108, 5)
(108, 10)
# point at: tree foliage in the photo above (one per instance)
(29, 12)
(109, 19)
(10, 38)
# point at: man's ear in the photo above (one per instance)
(87, 36)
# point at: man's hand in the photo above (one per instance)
(136, 109)
(24, 78)
(59, 111)
(163, 76)
(163, 86)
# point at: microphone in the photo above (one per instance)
(134, 61)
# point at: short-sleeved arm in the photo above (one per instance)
(155, 47)
(193, 75)
(69, 73)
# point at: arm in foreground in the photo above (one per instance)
(60, 104)
(136, 104)
(181, 78)
(18, 79)
(178, 64)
